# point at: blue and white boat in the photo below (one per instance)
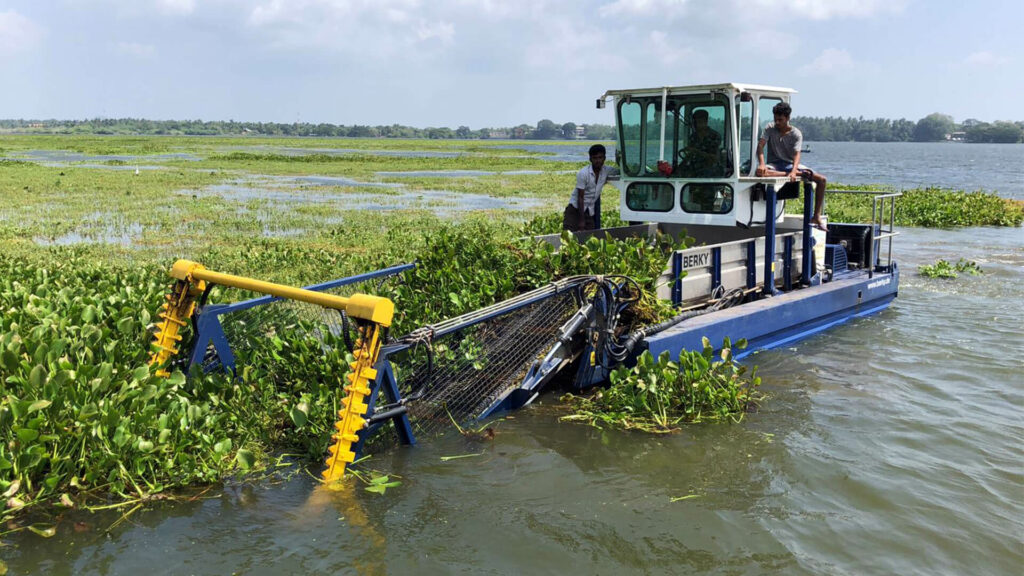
(787, 278)
(753, 272)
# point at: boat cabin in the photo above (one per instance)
(687, 154)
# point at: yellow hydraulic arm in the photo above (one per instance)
(191, 280)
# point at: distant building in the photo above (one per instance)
(581, 132)
(497, 134)
(957, 137)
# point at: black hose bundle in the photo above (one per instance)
(725, 299)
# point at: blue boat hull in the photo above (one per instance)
(783, 318)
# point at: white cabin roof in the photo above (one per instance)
(702, 88)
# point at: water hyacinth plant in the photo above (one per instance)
(944, 269)
(659, 395)
(83, 417)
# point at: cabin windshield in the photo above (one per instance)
(698, 137)
(640, 135)
(704, 142)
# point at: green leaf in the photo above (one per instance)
(246, 459)
(141, 373)
(222, 447)
(176, 378)
(10, 361)
(44, 530)
(125, 325)
(38, 405)
(38, 377)
(27, 434)
(298, 416)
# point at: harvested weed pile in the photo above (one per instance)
(660, 395)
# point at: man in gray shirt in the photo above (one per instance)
(784, 143)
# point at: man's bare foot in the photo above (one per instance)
(818, 223)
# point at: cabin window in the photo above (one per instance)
(764, 112)
(650, 196)
(652, 136)
(629, 136)
(706, 198)
(745, 116)
(640, 135)
(703, 145)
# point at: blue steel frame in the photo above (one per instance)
(386, 381)
(805, 272)
(785, 318)
(209, 329)
(806, 262)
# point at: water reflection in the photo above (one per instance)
(291, 191)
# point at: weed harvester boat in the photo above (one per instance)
(755, 273)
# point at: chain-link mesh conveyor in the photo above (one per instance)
(459, 370)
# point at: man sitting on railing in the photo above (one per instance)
(785, 143)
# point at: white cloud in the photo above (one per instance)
(830, 62)
(794, 10)
(985, 58)
(443, 31)
(179, 7)
(18, 33)
(134, 49)
(560, 44)
(668, 49)
(641, 7)
(380, 29)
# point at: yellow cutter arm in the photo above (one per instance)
(191, 279)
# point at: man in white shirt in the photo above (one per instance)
(581, 213)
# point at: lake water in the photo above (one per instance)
(892, 444)
(993, 167)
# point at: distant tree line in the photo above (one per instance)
(932, 128)
(544, 130)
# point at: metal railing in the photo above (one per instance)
(881, 228)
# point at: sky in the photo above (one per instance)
(491, 63)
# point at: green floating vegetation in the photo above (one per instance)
(659, 395)
(927, 207)
(943, 269)
(82, 417)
